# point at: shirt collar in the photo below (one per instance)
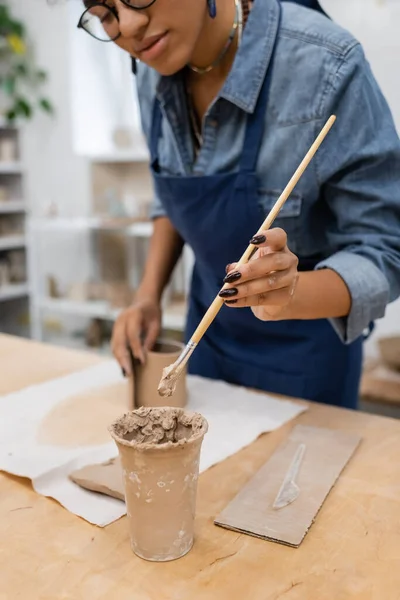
(253, 58)
(244, 82)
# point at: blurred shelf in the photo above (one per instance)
(8, 242)
(6, 125)
(144, 229)
(138, 155)
(13, 291)
(59, 224)
(11, 168)
(77, 343)
(16, 316)
(12, 206)
(91, 308)
(174, 315)
(139, 228)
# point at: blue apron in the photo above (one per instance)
(313, 4)
(217, 215)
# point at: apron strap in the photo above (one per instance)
(255, 123)
(313, 4)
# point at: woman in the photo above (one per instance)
(231, 98)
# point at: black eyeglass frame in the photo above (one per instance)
(93, 5)
(113, 10)
(115, 13)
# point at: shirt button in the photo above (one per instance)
(213, 122)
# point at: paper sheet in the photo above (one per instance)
(235, 415)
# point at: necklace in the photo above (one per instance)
(237, 24)
(245, 9)
(242, 11)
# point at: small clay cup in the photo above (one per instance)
(145, 379)
(160, 454)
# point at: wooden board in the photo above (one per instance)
(251, 511)
(105, 478)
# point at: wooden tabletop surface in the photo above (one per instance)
(351, 552)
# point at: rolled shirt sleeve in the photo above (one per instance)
(157, 210)
(359, 175)
(369, 291)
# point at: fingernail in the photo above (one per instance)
(228, 293)
(230, 301)
(232, 277)
(258, 239)
(140, 359)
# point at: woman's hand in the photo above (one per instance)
(136, 329)
(268, 281)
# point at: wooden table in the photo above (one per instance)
(351, 552)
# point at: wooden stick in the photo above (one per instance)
(218, 302)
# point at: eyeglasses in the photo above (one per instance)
(102, 22)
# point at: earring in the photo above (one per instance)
(212, 8)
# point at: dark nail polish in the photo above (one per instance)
(228, 293)
(230, 301)
(232, 277)
(123, 372)
(258, 239)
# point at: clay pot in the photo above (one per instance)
(144, 384)
(159, 450)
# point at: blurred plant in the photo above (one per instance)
(20, 79)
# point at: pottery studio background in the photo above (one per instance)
(74, 182)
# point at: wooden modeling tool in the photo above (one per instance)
(171, 373)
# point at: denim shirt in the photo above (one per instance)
(345, 211)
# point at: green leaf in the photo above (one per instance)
(10, 25)
(11, 115)
(23, 107)
(19, 29)
(4, 16)
(21, 70)
(46, 105)
(18, 69)
(9, 85)
(41, 75)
